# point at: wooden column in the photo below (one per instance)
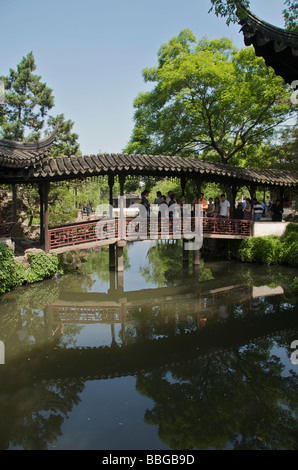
(185, 253)
(121, 224)
(14, 202)
(196, 257)
(183, 184)
(121, 182)
(41, 236)
(46, 189)
(112, 256)
(119, 254)
(233, 202)
(281, 196)
(120, 282)
(112, 282)
(252, 191)
(111, 185)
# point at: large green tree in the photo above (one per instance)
(285, 152)
(209, 100)
(66, 142)
(27, 102)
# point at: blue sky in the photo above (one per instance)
(92, 53)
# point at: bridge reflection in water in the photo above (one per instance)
(182, 306)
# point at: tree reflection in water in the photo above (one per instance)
(239, 399)
(243, 396)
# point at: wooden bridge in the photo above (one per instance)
(149, 228)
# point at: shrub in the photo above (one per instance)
(291, 254)
(11, 273)
(272, 249)
(291, 234)
(245, 250)
(294, 285)
(42, 266)
(266, 250)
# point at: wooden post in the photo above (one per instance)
(112, 282)
(252, 191)
(183, 184)
(120, 282)
(281, 196)
(185, 253)
(119, 254)
(196, 257)
(41, 235)
(198, 183)
(111, 184)
(122, 182)
(112, 260)
(234, 194)
(14, 202)
(46, 189)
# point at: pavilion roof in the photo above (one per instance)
(78, 167)
(24, 154)
(277, 46)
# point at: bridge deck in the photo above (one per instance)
(109, 230)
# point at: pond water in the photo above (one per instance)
(164, 356)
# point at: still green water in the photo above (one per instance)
(163, 356)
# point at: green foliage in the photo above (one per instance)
(66, 141)
(266, 250)
(272, 249)
(294, 285)
(27, 101)
(228, 9)
(13, 273)
(231, 11)
(210, 100)
(42, 266)
(291, 15)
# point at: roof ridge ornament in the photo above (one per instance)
(15, 154)
(277, 46)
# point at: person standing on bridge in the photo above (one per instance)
(145, 201)
(224, 207)
(158, 198)
(276, 211)
(258, 210)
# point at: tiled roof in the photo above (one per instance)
(277, 46)
(24, 154)
(64, 168)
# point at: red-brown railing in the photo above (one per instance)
(114, 228)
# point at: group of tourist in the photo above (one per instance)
(220, 207)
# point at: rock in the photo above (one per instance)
(33, 250)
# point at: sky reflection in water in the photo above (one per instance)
(165, 357)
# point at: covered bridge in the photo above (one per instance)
(28, 163)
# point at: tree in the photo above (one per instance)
(27, 102)
(210, 100)
(285, 152)
(231, 9)
(66, 141)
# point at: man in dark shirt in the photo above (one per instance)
(276, 211)
(145, 201)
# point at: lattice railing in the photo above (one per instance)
(115, 228)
